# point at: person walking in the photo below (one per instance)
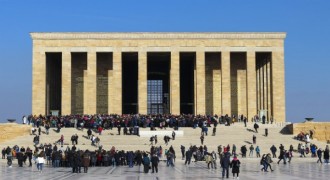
(319, 155)
(235, 165)
(269, 161)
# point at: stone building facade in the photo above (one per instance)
(197, 73)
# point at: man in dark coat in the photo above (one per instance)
(29, 156)
(225, 163)
(273, 149)
(19, 156)
(154, 163)
(188, 156)
(256, 126)
(86, 160)
(243, 150)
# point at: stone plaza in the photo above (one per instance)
(250, 170)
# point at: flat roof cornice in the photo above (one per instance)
(155, 35)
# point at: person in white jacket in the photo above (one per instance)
(40, 161)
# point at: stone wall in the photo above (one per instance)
(321, 129)
(9, 131)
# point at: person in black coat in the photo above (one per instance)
(188, 156)
(154, 163)
(235, 165)
(29, 156)
(19, 156)
(326, 155)
(225, 163)
(243, 150)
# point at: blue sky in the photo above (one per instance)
(307, 23)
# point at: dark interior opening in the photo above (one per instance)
(53, 82)
(187, 89)
(78, 64)
(130, 82)
(104, 64)
(158, 82)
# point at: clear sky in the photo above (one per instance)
(307, 46)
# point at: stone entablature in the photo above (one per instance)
(155, 35)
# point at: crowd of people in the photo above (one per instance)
(106, 121)
(60, 156)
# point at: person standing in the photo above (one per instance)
(173, 135)
(235, 165)
(86, 160)
(214, 159)
(225, 163)
(188, 156)
(154, 163)
(258, 151)
(202, 139)
(245, 121)
(146, 163)
(266, 132)
(251, 150)
(273, 149)
(183, 151)
(326, 155)
(40, 161)
(254, 139)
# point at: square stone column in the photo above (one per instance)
(38, 83)
(142, 83)
(175, 83)
(66, 83)
(251, 85)
(115, 94)
(226, 86)
(200, 83)
(90, 90)
(278, 85)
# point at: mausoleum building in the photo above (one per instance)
(197, 73)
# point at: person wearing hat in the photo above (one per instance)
(235, 165)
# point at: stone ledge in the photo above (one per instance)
(156, 35)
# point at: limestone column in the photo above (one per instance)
(278, 83)
(175, 83)
(251, 84)
(110, 91)
(226, 86)
(142, 82)
(115, 94)
(269, 100)
(90, 91)
(66, 83)
(200, 83)
(38, 83)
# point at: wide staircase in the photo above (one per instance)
(235, 134)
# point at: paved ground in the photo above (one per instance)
(250, 169)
